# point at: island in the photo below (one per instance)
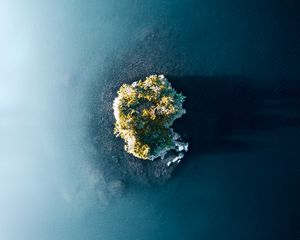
(144, 112)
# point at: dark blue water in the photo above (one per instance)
(238, 64)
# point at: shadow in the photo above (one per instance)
(224, 112)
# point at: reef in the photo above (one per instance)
(144, 112)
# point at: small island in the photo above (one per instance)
(144, 113)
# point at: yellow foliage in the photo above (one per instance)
(144, 111)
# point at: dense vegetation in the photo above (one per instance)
(144, 112)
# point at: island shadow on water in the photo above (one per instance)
(223, 112)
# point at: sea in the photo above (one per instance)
(237, 63)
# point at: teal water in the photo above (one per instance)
(237, 63)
